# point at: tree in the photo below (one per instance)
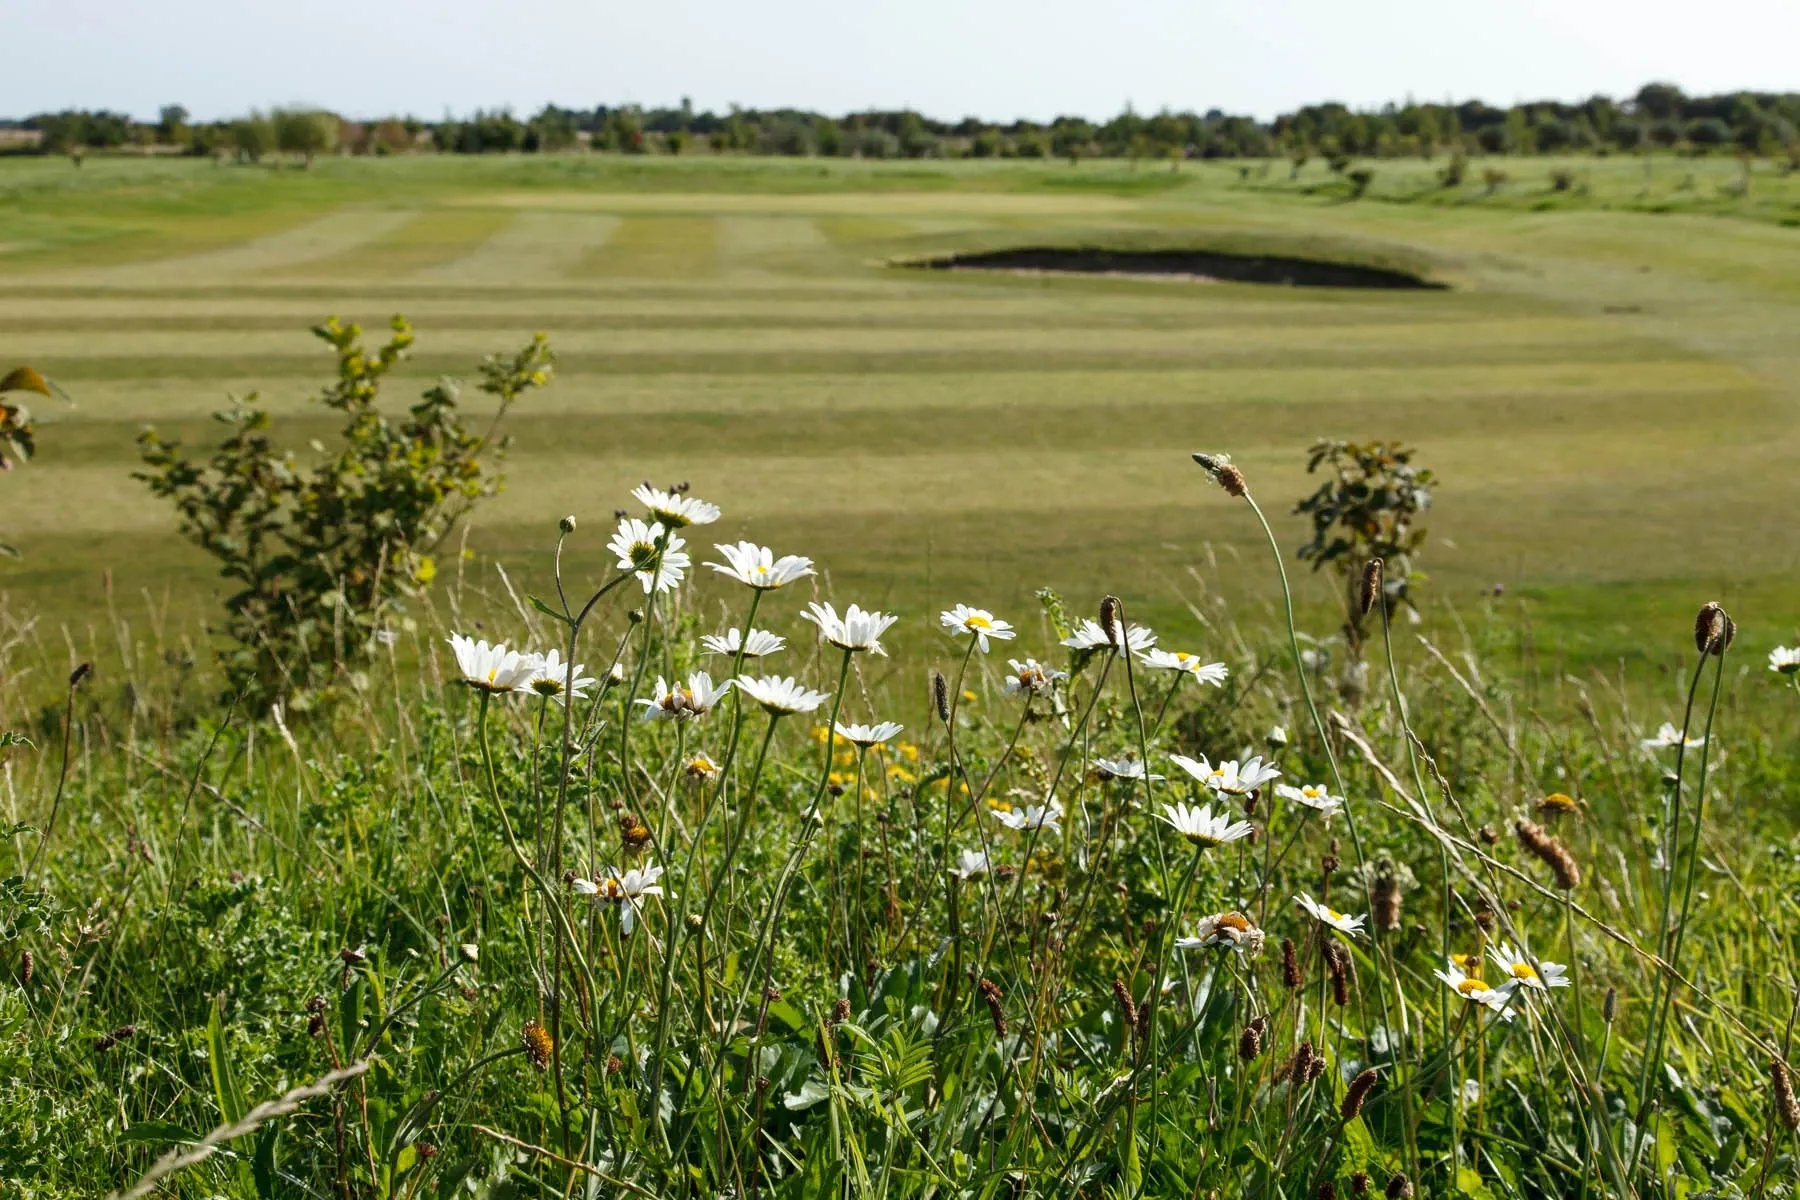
(252, 137)
(305, 132)
(172, 125)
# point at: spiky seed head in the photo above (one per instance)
(538, 1043)
(1359, 1090)
(1223, 473)
(1609, 1008)
(27, 967)
(840, 1012)
(1551, 852)
(1370, 589)
(1250, 1042)
(1127, 1006)
(940, 695)
(1786, 1106)
(80, 673)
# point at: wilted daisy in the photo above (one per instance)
(1190, 664)
(1667, 737)
(1784, 659)
(491, 668)
(758, 644)
(1199, 826)
(779, 696)
(550, 677)
(1471, 988)
(855, 630)
(979, 622)
(1120, 768)
(658, 567)
(1031, 677)
(675, 508)
(1542, 977)
(675, 702)
(1032, 816)
(1315, 796)
(1230, 929)
(626, 890)
(756, 566)
(700, 768)
(1342, 922)
(970, 864)
(1228, 778)
(1090, 636)
(869, 735)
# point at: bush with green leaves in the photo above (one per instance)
(321, 553)
(1368, 508)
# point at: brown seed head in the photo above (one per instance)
(1384, 902)
(1714, 630)
(1359, 1183)
(1359, 1090)
(1290, 964)
(80, 673)
(840, 1012)
(1551, 852)
(1112, 621)
(940, 695)
(1250, 1042)
(1370, 589)
(1127, 1006)
(27, 968)
(1609, 1008)
(1223, 473)
(425, 1150)
(1400, 1187)
(1327, 1190)
(538, 1043)
(1300, 1066)
(1786, 1106)
(990, 992)
(1337, 962)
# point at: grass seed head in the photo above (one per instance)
(1786, 1106)
(1370, 589)
(1250, 1042)
(940, 696)
(1112, 621)
(1223, 473)
(1609, 1008)
(1551, 852)
(1359, 1090)
(990, 992)
(1290, 965)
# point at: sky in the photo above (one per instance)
(996, 59)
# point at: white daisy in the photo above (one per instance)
(756, 566)
(675, 702)
(1668, 736)
(1472, 989)
(675, 508)
(978, 621)
(779, 696)
(491, 668)
(1031, 677)
(1784, 659)
(1192, 664)
(1230, 929)
(855, 630)
(550, 677)
(869, 735)
(1228, 778)
(1199, 826)
(1544, 976)
(1342, 922)
(1121, 768)
(971, 864)
(627, 891)
(1090, 636)
(1032, 816)
(758, 644)
(655, 554)
(1315, 796)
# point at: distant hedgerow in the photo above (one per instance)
(322, 553)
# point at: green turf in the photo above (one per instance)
(1608, 391)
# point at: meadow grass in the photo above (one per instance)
(220, 906)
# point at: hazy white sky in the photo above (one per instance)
(998, 59)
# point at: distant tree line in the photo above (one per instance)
(1658, 117)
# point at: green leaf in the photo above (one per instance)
(263, 1166)
(225, 1084)
(547, 610)
(1470, 1183)
(157, 1133)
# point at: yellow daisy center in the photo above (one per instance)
(1522, 970)
(1471, 987)
(978, 622)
